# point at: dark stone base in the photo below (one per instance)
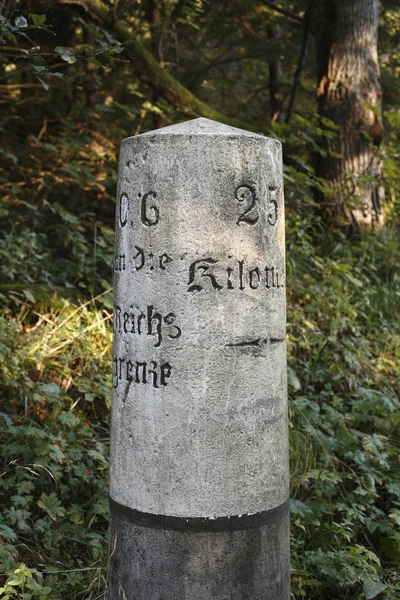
(167, 558)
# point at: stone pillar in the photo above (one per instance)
(199, 452)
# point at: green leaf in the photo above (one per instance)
(86, 49)
(39, 19)
(94, 61)
(354, 280)
(299, 508)
(293, 380)
(7, 533)
(152, 108)
(66, 55)
(52, 391)
(20, 22)
(372, 108)
(29, 296)
(373, 588)
(69, 58)
(44, 84)
(51, 505)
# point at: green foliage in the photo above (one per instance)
(25, 583)
(55, 384)
(344, 352)
(344, 378)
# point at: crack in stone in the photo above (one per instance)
(276, 340)
(258, 342)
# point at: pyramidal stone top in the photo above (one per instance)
(202, 126)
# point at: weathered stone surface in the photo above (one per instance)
(199, 422)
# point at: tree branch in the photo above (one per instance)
(178, 8)
(282, 11)
(299, 69)
(17, 86)
(98, 11)
(149, 70)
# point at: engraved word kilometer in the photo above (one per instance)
(208, 273)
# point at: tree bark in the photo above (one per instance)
(276, 78)
(299, 70)
(349, 94)
(153, 17)
(276, 82)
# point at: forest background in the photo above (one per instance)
(78, 76)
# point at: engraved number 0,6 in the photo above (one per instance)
(246, 193)
(149, 212)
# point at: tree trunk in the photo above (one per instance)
(349, 94)
(276, 78)
(153, 17)
(276, 81)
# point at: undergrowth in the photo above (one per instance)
(344, 368)
(344, 384)
(54, 439)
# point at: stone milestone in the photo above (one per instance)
(199, 459)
